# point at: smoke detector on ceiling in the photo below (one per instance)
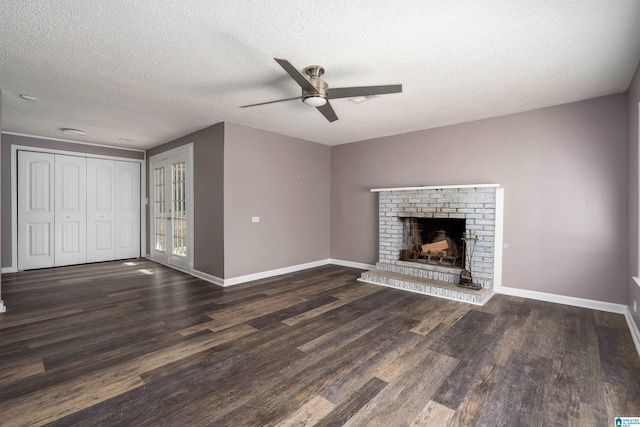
(361, 99)
(74, 132)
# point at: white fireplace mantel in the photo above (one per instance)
(433, 187)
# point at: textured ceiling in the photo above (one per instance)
(153, 71)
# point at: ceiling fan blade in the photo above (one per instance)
(352, 92)
(296, 75)
(327, 112)
(270, 102)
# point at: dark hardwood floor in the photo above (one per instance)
(128, 344)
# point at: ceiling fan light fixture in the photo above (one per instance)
(315, 101)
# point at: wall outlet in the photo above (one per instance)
(255, 219)
(635, 306)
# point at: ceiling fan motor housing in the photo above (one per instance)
(314, 72)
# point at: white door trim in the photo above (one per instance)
(14, 194)
(188, 150)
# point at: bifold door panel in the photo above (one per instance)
(70, 210)
(36, 211)
(127, 210)
(100, 210)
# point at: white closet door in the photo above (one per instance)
(127, 210)
(100, 210)
(70, 210)
(35, 210)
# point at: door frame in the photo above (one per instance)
(165, 155)
(14, 192)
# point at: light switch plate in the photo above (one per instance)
(255, 219)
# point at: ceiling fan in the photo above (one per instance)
(316, 92)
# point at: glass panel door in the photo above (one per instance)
(179, 226)
(169, 207)
(159, 210)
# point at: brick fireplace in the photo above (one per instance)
(479, 206)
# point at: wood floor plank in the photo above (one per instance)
(432, 319)
(519, 399)
(235, 315)
(345, 410)
(20, 370)
(309, 414)
(346, 333)
(479, 395)
(294, 310)
(392, 360)
(400, 402)
(67, 398)
(547, 339)
(433, 414)
(589, 417)
(403, 355)
(460, 340)
(344, 297)
(457, 385)
(29, 318)
(561, 404)
(136, 343)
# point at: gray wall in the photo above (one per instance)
(564, 173)
(286, 182)
(208, 152)
(7, 142)
(633, 98)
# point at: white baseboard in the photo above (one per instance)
(351, 264)
(8, 270)
(208, 277)
(562, 299)
(635, 334)
(270, 273)
(249, 277)
(276, 272)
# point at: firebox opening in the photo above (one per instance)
(434, 241)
